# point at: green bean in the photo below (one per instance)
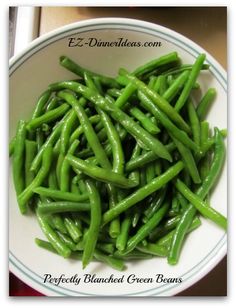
(74, 232)
(100, 174)
(52, 103)
(194, 122)
(78, 70)
(30, 152)
(150, 172)
(110, 260)
(49, 247)
(145, 229)
(131, 126)
(106, 247)
(190, 82)
(122, 238)
(145, 158)
(39, 178)
(205, 162)
(175, 87)
(65, 168)
(188, 160)
(58, 223)
(66, 131)
(60, 195)
(158, 101)
(79, 130)
(157, 167)
(145, 121)
(205, 103)
(165, 121)
(41, 103)
(182, 68)
(156, 63)
(63, 206)
(12, 146)
(118, 165)
(155, 204)
(152, 81)
(188, 215)
(114, 92)
(59, 163)
(67, 240)
(201, 206)
(134, 176)
(125, 95)
(96, 217)
(143, 192)
(153, 249)
(49, 142)
(48, 117)
(166, 239)
(133, 255)
(164, 228)
(87, 128)
(52, 236)
(163, 85)
(40, 138)
(18, 163)
(114, 139)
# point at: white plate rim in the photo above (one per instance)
(219, 251)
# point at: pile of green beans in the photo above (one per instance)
(118, 169)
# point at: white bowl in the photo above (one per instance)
(30, 73)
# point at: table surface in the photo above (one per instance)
(205, 26)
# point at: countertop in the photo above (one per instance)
(205, 26)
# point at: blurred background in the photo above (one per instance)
(206, 26)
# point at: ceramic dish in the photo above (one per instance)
(30, 73)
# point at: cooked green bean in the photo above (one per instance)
(153, 64)
(188, 215)
(188, 160)
(175, 87)
(201, 206)
(143, 192)
(74, 232)
(78, 70)
(159, 101)
(49, 142)
(65, 168)
(95, 221)
(28, 192)
(165, 121)
(145, 121)
(48, 117)
(63, 206)
(18, 163)
(145, 158)
(100, 174)
(60, 195)
(66, 131)
(30, 153)
(146, 228)
(190, 82)
(205, 103)
(53, 237)
(153, 249)
(12, 146)
(194, 122)
(117, 114)
(41, 103)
